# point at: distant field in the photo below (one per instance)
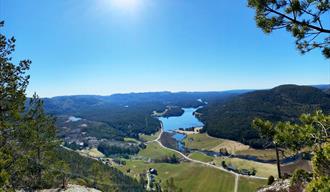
(201, 157)
(261, 154)
(93, 152)
(205, 142)
(190, 177)
(250, 185)
(152, 137)
(154, 151)
(131, 140)
(263, 169)
(266, 154)
(201, 141)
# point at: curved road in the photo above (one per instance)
(204, 163)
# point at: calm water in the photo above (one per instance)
(186, 120)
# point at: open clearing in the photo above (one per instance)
(263, 169)
(205, 142)
(147, 138)
(189, 176)
(93, 152)
(201, 157)
(155, 152)
(250, 185)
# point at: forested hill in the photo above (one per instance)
(128, 114)
(232, 119)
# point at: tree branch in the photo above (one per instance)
(298, 22)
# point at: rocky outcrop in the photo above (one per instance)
(72, 188)
(278, 186)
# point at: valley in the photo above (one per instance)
(180, 148)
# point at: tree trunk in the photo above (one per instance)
(38, 167)
(64, 183)
(278, 162)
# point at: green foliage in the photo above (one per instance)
(311, 131)
(109, 149)
(265, 128)
(300, 176)
(232, 119)
(13, 83)
(92, 173)
(171, 187)
(304, 19)
(321, 161)
(125, 115)
(38, 142)
(321, 184)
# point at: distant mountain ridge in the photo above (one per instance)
(128, 114)
(232, 119)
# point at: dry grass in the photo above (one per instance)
(263, 169)
(300, 164)
(151, 137)
(206, 142)
(93, 152)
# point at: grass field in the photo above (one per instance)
(152, 137)
(154, 151)
(263, 169)
(93, 152)
(201, 141)
(190, 177)
(261, 154)
(201, 157)
(250, 185)
(205, 142)
(131, 140)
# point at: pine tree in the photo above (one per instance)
(38, 142)
(13, 83)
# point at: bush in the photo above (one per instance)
(319, 185)
(223, 163)
(300, 176)
(271, 180)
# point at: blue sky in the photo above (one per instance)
(111, 46)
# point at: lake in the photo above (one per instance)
(186, 120)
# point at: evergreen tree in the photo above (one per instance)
(38, 142)
(307, 20)
(13, 83)
(266, 130)
(312, 131)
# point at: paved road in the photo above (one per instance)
(204, 163)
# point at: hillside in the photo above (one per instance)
(126, 115)
(232, 119)
(82, 170)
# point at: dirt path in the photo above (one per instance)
(236, 183)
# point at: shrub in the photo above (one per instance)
(300, 176)
(271, 180)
